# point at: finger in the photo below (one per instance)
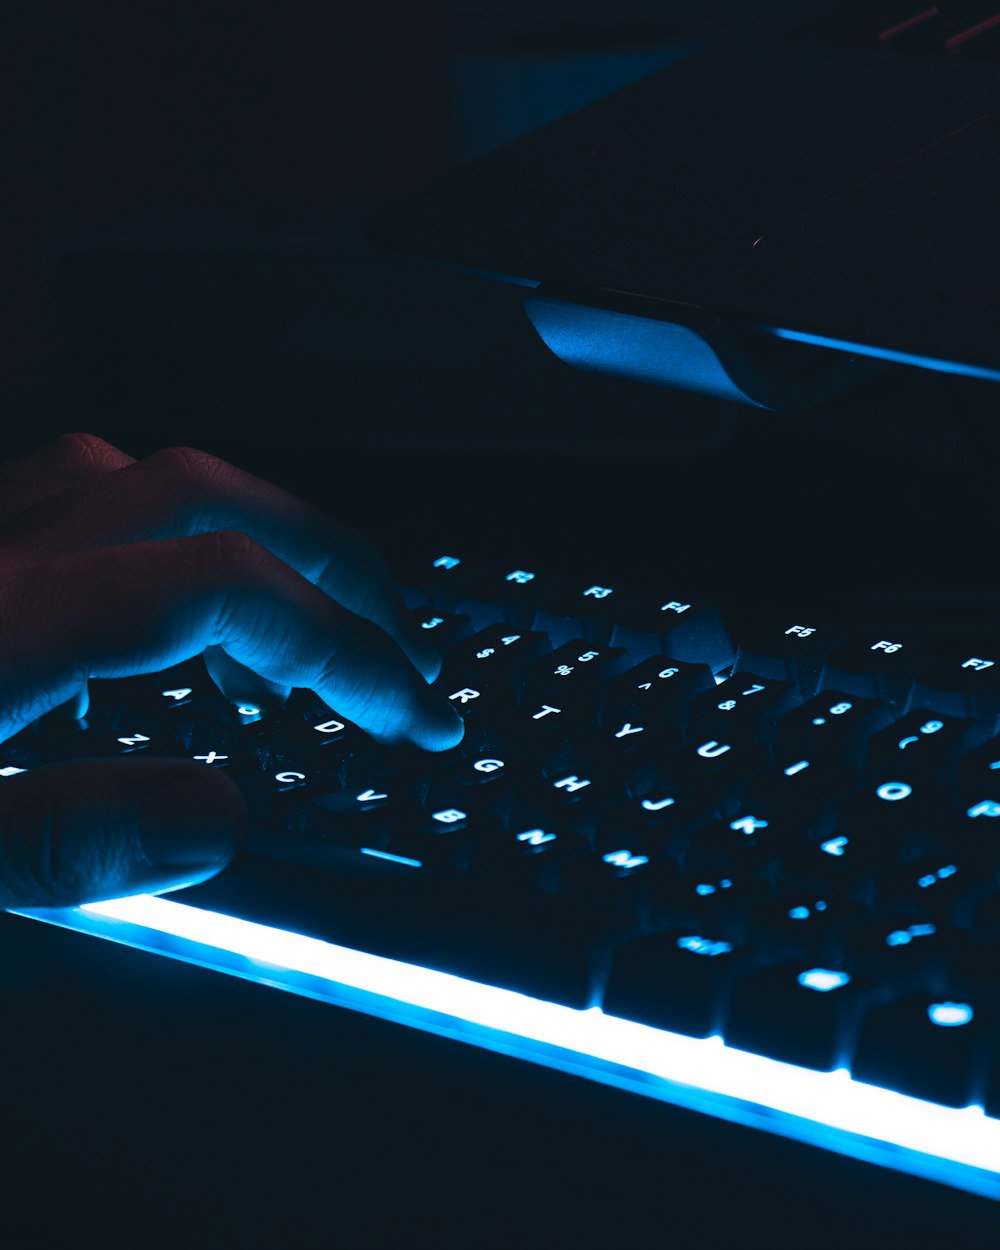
(180, 492)
(144, 607)
(96, 829)
(72, 460)
(240, 684)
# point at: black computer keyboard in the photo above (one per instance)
(775, 824)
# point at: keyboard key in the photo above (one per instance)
(441, 629)
(495, 653)
(797, 1013)
(713, 764)
(961, 681)
(816, 926)
(786, 649)
(676, 980)
(830, 725)
(928, 1046)
(921, 744)
(690, 628)
(569, 606)
(741, 709)
(903, 947)
(508, 591)
(875, 666)
(571, 673)
(627, 750)
(438, 577)
(933, 883)
(659, 690)
(887, 815)
(655, 821)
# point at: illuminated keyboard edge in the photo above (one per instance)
(960, 1148)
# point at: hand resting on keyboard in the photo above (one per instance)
(111, 567)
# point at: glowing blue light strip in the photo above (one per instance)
(885, 353)
(959, 1148)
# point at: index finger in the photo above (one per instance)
(182, 492)
(147, 606)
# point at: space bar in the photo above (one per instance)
(536, 944)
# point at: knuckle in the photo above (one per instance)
(189, 463)
(196, 481)
(234, 553)
(87, 451)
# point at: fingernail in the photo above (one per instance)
(191, 821)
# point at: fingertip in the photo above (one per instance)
(448, 729)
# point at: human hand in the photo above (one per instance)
(111, 566)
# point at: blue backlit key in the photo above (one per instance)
(932, 1046)
(799, 1013)
(578, 605)
(671, 620)
(921, 744)
(742, 708)
(678, 980)
(961, 680)
(787, 648)
(657, 691)
(442, 629)
(876, 665)
(832, 725)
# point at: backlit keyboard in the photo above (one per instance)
(746, 859)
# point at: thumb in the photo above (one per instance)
(89, 830)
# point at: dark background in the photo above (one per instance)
(185, 191)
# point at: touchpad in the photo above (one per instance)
(928, 222)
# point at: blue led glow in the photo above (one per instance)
(903, 937)
(834, 846)
(884, 353)
(396, 859)
(893, 791)
(950, 1015)
(828, 1109)
(932, 878)
(823, 980)
(703, 946)
(986, 808)
(625, 859)
(799, 913)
